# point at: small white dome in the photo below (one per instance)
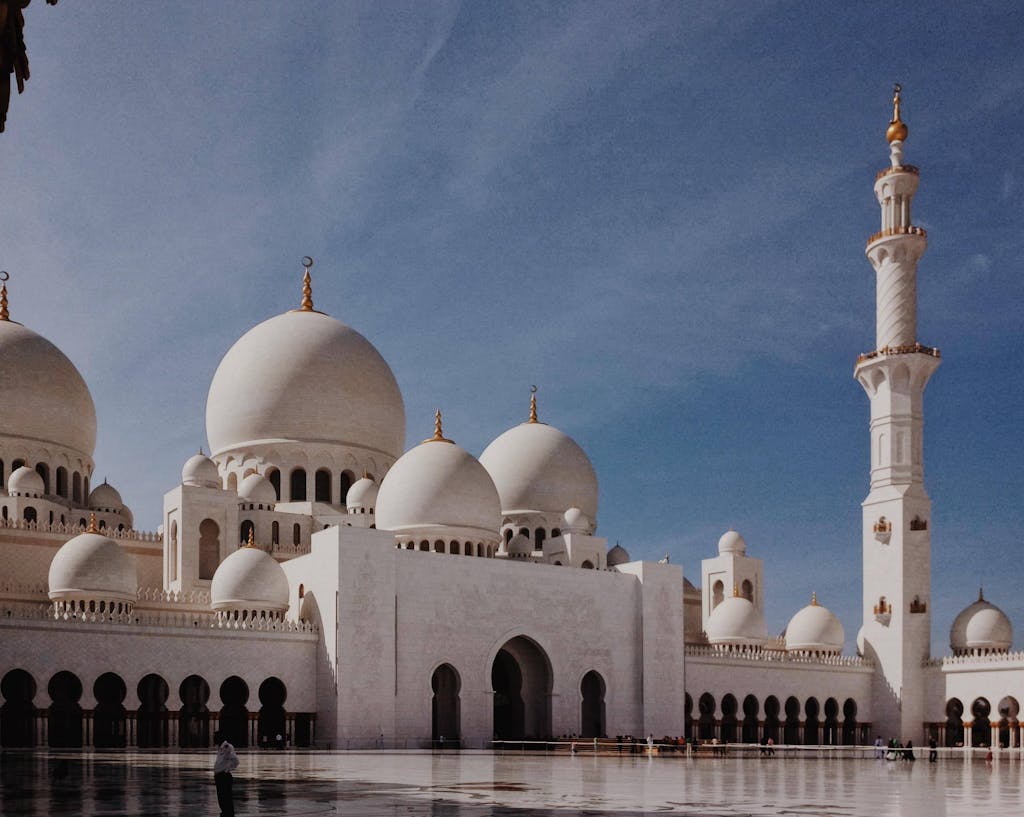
(25, 481)
(200, 471)
(575, 521)
(815, 628)
(732, 542)
(736, 621)
(538, 469)
(257, 488)
(439, 485)
(362, 494)
(519, 546)
(105, 497)
(981, 626)
(249, 579)
(91, 566)
(618, 555)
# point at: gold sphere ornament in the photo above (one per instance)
(897, 130)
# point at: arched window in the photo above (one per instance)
(3, 512)
(296, 534)
(62, 481)
(297, 485)
(587, 564)
(85, 487)
(30, 514)
(76, 487)
(44, 471)
(172, 557)
(209, 548)
(345, 482)
(275, 533)
(717, 593)
(322, 485)
(438, 546)
(747, 590)
(508, 536)
(538, 539)
(275, 479)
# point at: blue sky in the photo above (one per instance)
(655, 212)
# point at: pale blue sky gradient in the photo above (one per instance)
(655, 212)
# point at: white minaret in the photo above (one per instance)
(897, 511)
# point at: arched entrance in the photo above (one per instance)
(521, 680)
(109, 719)
(65, 721)
(811, 712)
(981, 729)
(270, 730)
(1009, 709)
(771, 718)
(849, 722)
(730, 706)
(791, 729)
(194, 718)
(750, 711)
(152, 715)
(706, 722)
(954, 722)
(688, 714)
(830, 731)
(592, 691)
(18, 713)
(234, 717)
(445, 705)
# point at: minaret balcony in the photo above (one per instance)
(883, 612)
(882, 530)
(909, 349)
(898, 169)
(890, 232)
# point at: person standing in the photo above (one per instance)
(223, 766)
(933, 752)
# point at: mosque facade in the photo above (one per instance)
(312, 584)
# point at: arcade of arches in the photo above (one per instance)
(61, 722)
(979, 725)
(785, 721)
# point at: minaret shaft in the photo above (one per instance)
(896, 632)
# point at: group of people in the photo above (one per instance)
(894, 750)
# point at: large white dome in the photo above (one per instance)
(815, 629)
(44, 398)
(538, 469)
(439, 485)
(736, 621)
(981, 626)
(304, 377)
(91, 566)
(249, 579)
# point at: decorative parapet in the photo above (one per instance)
(774, 656)
(889, 232)
(909, 349)
(977, 660)
(196, 620)
(20, 590)
(157, 595)
(74, 530)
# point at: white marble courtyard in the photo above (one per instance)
(469, 784)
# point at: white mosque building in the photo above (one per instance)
(312, 581)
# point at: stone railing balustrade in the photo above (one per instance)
(774, 656)
(74, 529)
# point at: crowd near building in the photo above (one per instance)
(311, 584)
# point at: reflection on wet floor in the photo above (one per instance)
(481, 784)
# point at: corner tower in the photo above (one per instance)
(897, 511)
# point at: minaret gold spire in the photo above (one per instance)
(92, 524)
(438, 432)
(307, 286)
(897, 131)
(5, 315)
(814, 599)
(533, 404)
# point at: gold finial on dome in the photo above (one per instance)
(533, 405)
(438, 432)
(307, 286)
(897, 130)
(252, 537)
(814, 599)
(735, 590)
(92, 524)
(5, 314)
